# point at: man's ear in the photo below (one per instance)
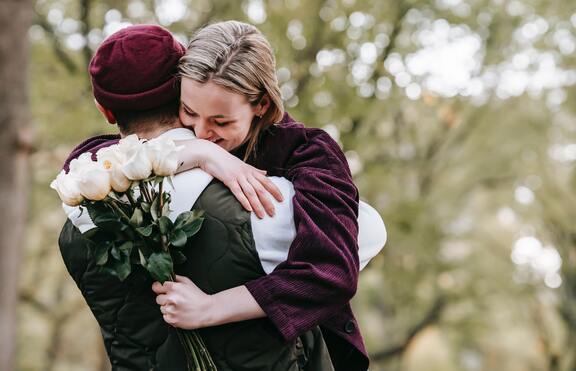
(106, 113)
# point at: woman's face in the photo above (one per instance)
(216, 114)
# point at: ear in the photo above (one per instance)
(106, 113)
(262, 106)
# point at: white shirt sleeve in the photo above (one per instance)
(188, 185)
(79, 217)
(274, 235)
(371, 233)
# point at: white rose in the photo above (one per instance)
(67, 187)
(112, 158)
(163, 154)
(78, 163)
(137, 165)
(93, 179)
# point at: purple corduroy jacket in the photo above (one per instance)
(316, 282)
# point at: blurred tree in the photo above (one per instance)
(457, 118)
(15, 143)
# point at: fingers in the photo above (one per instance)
(250, 193)
(270, 187)
(169, 319)
(159, 288)
(183, 279)
(262, 196)
(161, 300)
(239, 194)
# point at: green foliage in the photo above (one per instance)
(147, 238)
(159, 265)
(442, 169)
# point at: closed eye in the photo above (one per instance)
(190, 113)
(221, 124)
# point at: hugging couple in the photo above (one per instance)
(269, 276)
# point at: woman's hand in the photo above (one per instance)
(183, 304)
(248, 184)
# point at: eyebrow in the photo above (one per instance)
(190, 109)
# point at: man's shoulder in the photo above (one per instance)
(219, 202)
(91, 145)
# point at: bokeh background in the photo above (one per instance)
(458, 119)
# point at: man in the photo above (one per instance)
(133, 77)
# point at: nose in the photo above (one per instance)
(201, 130)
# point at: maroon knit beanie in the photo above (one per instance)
(135, 69)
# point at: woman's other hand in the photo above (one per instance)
(183, 304)
(248, 184)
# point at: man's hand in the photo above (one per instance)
(248, 184)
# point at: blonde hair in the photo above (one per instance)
(237, 57)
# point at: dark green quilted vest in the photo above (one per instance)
(222, 255)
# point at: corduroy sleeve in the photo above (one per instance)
(321, 272)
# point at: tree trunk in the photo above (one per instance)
(15, 19)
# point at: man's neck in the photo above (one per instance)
(152, 132)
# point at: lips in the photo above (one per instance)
(216, 140)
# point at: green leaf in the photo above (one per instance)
(160, 266)
(178, 238)
(166, 206)
(96, 208)
(154, 208)
(143, 260)
(188, 217)
(165, 225)
(123, 268)
(183, 218)
(91, 233)
(145, 231)
(137, 217)
(145, 207)
(126, 248)
(115, 252)
(103, 218)
(178, 256)
(191, 228)
(101, 254)
(169, 180)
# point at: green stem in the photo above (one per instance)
(161, 202)
(191, 360)
(131, 198)
(144, 191)
(110, 201)
(197, 355)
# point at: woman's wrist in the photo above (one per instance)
(233, 305)
(195, 154)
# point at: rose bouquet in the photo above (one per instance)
(124, 194)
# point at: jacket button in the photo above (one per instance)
(349, 327)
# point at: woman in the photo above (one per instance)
(230, 96)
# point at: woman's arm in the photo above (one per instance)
(248, 184)
(320, 275)
(184, 305)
